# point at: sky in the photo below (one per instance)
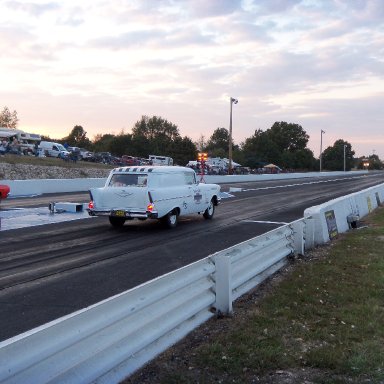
(103, 64)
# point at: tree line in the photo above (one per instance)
(284, 144)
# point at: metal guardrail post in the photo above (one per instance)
(298, 237)
(309, 232)
(223, 279)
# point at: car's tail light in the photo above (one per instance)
(150, 207)
(91, 205)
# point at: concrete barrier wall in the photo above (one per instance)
(331, 217)
(40, 186)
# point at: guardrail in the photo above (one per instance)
(110, 340)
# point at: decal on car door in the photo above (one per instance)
(197, 196)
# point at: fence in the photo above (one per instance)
(110, 340)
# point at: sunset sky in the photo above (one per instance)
(103, 64)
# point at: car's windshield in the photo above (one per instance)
(61, 147)
(124, 180)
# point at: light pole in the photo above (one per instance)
(231, 101)
(345, 146)
(321, 147)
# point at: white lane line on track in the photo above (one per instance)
(265, 222)
(291, 185)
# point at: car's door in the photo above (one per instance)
(55, 152)
(196, 203)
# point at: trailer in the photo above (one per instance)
(160, 160)
(27, 142)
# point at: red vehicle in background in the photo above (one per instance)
(4, 191)
(130, 160)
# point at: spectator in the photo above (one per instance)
(3, 147)
(14, 146)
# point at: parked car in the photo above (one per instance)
(153, 192)
(85, 154)
(4, 191)
(52, 149)
(103, 157)
(130, 160)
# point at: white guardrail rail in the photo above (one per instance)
(110, 340)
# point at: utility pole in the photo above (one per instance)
(232, 101)
(321, 147)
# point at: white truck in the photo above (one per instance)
(153, 192)
(52, 149)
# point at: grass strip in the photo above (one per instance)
(322, 322)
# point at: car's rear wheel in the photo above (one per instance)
(209, 212)
(116, 222)
(170, 220)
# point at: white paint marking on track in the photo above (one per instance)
(290, 185)
(28, 217)
(226, 195)
(265, 222)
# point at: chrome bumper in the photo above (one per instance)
(125, 213)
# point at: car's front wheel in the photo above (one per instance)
(116, 222)
(170, 219)
(209, 212)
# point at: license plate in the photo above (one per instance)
(119, 213)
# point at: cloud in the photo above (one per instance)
(35, 9)
(103, 64)
(212, 8)
(128, 39)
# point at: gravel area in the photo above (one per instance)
(27, 171)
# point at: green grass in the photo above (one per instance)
(326, 317)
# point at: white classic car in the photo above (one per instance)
(153, 192)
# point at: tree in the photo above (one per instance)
(77, 138)
(157, 132)
(200, 143)
(141, 147)
(333, 157)
(102, 143)
(183, 150)
(373, 162)
(122, 145)
(218, 144)
(259, 150)
(283, 144)
(300, 159)
(8, 119)
(288, 136)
